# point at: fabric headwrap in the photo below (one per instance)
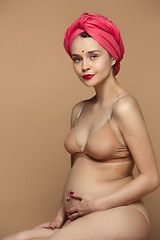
(104, 31)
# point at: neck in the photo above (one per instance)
(106, 92)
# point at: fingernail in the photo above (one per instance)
(51, 228)
(71, 193)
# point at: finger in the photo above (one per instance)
(42, 225)
(52, 226)
(71, 211)
(76, 196)
(73, 216)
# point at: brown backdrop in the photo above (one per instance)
(39, 88)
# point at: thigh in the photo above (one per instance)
(121, 223)
(37, 234)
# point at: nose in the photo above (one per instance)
(85, 65)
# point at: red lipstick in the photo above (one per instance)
(88, 76)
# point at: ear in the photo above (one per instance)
(113, 62)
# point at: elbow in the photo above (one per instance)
(155, 182)
(158, 182)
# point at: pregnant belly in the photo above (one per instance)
(86, 178)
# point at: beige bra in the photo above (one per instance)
(103, 145)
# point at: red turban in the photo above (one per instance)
(102, 30)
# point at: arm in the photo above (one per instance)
(61, 216)
(58, 221)
(75, 111)
(133, 128)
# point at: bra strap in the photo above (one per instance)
(81, 110)
(123, 95)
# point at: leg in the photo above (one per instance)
(37, 234)
(121, 223)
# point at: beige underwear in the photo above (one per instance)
(139, 205)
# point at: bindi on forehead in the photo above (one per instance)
(82, 50)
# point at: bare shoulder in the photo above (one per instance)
(76, 111)
(77, 107)
(130, 121)
(126, 106)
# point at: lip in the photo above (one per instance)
(88, 76)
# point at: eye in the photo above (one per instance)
(93, 56)
(76, 59)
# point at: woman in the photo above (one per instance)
(102, 199)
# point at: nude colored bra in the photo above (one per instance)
(103, 145)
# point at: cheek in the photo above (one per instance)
(76, 68)
(103, 66)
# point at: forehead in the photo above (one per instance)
(85, 44)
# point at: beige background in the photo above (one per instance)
(38, 89)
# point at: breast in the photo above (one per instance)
(102, 145)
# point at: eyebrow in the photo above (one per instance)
(94, 51)
(88, 52)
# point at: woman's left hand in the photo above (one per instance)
(86, 205)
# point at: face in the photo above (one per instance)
(91, 62)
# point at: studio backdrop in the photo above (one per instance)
(38, 89)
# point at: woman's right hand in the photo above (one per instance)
(55, 224)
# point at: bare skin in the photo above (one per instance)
(101, 206)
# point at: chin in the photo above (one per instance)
(89, 83)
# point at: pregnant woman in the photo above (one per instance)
(108, 136)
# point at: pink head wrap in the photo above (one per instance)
(102, 30)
